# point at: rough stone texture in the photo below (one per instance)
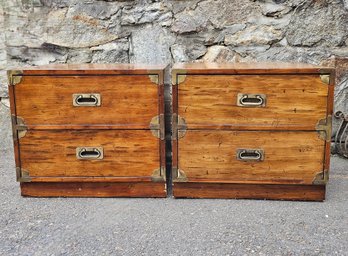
(36, 32)
(318, 23)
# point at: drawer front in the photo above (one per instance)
(87, 100)
(251, 156)
(67, 154)
(256, 101)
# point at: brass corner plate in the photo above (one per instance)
(19, 129)
(22, 175)
(325, 79)
(179, 175)
(321, 178)
(179, 126)
(324, 127)
(157, 126)
(14, 76)
(156, 77)
(159, 175)
(178, 76)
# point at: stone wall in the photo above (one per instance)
(36, 32)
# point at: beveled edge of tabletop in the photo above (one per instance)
(249, 68)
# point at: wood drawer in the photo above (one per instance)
(252, 101)
(288, 157)
(125, 101)
(107, 155)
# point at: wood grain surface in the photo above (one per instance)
(289, 157)
(249, 68)
(293, 101)
(127, 153)
(126, 101)
(91, 189)
(249, 191)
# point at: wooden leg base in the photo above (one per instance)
(93, 189)
(249, 191)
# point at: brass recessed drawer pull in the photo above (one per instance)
(250, 155)
(86, 99)
(89, 153)
(251, 100)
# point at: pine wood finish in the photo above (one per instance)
(128, 126)
(210, 101)
(126, 100)
(93, 189)
(126, 153)
(292, 129)
(249, 191)
(207, 156)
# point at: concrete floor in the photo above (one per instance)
(77, 226)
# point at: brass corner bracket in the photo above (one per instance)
(157, 126)
(179, 175)
(156, 77)
(159, 175)
(14, 76)
(321, 178)
(325, 79)
(19, 129)
(324, 127)
(179, 126)
(178, 76)
(22, 175)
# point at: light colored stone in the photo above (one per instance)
(34, 56)
(255, 35)
(79, 56)
(68, 29)
(115, 52)
(318, 23)
(345, 2)
(179, 53)
(151, 45)
(98, 9)
(141, 14)
(189, 21)
(219, 13)
(230, 30)
(271, 9)
(219, 53)
(5, 125)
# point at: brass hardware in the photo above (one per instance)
(321, 178)
(89, 153)
(157, 126)
(22, 175)
(86, 99)
(159, 175)
(179, 175)
(250, 155)
(178, 76)
(14, 76)
(251, 100)
(324, 127)
(156, 77)
(19, 129)
(179, 127)
(325, 79)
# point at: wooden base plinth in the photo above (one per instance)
(249, 191)
(93, 189)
